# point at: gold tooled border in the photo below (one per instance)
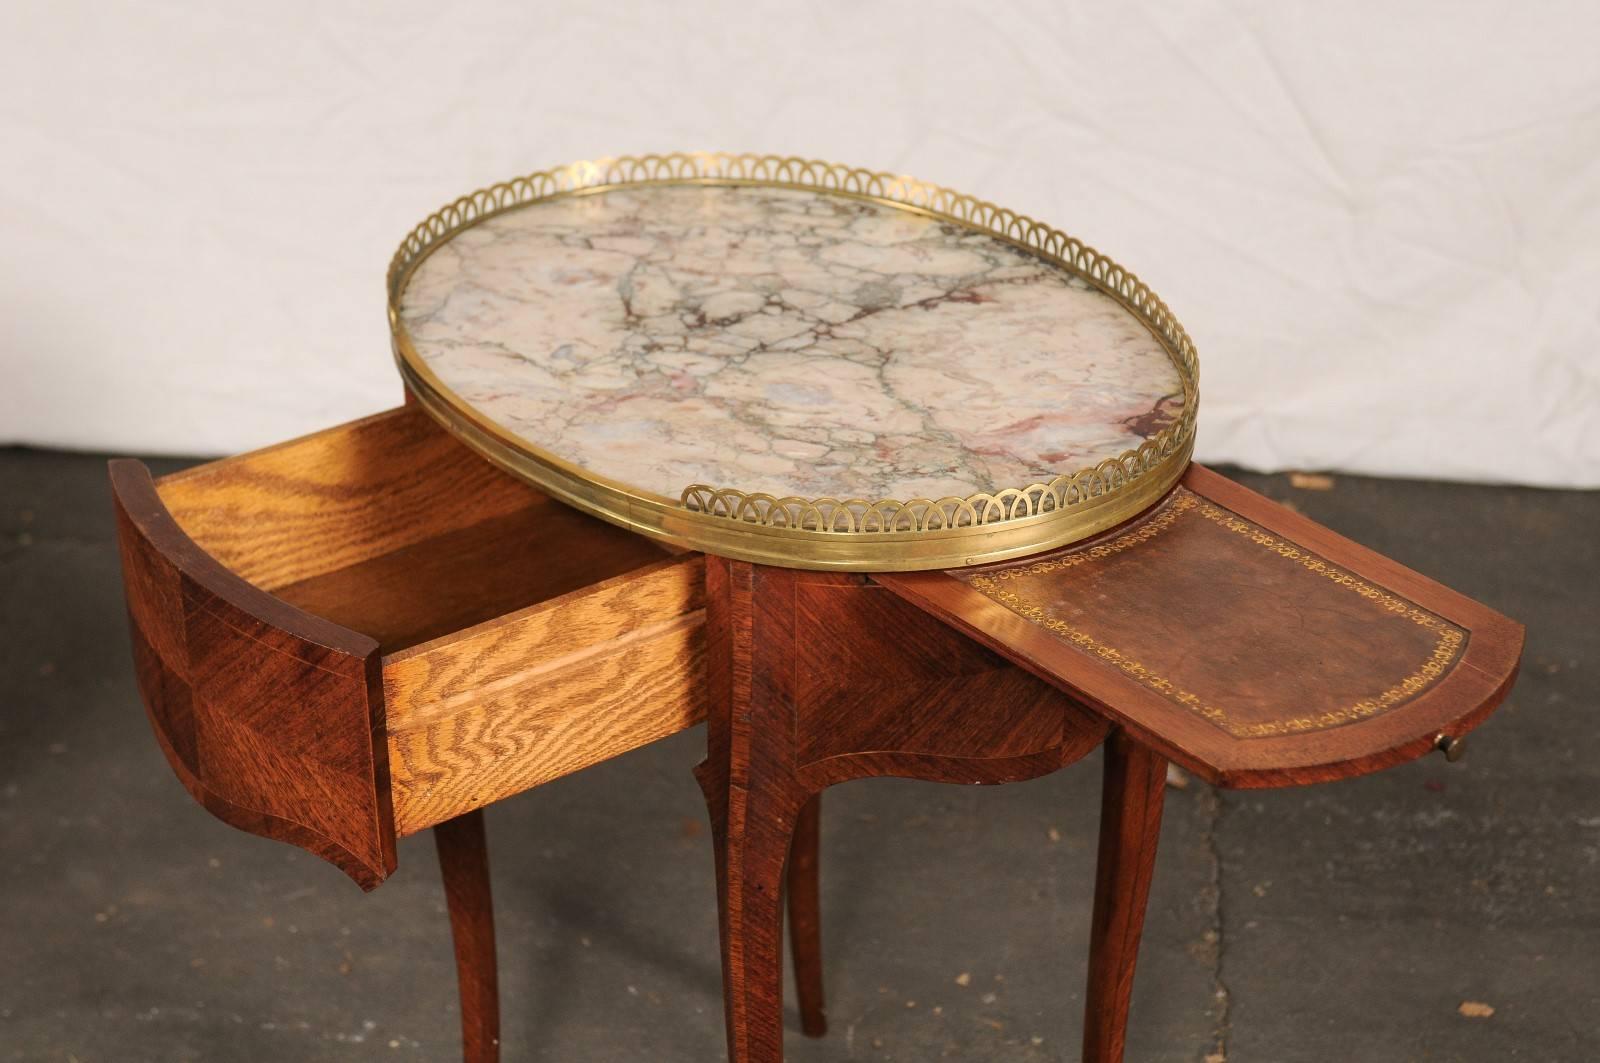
(1450, 637)
(824, 533)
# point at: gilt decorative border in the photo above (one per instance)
(1449, 637)
(1101, 493)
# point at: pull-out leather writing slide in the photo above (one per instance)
(1240, 639)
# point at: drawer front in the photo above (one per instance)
(370, 630)
(271, 718)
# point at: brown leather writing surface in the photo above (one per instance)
(1241, 639)
(1286, 631)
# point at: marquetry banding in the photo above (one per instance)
(996, 584)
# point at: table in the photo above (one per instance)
(874, 477)
(808, 367)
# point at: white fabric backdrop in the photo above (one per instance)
(1380, 221)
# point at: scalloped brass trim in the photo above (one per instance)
(823, 533)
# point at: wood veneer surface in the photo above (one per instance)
(470, 575)
(372, 628)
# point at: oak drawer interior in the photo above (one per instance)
(390, 527)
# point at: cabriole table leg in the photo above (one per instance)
(805, 917)
(754, 802)
(464, 865)
(1130, 826)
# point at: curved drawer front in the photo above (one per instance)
(362, 633)
(271, 717)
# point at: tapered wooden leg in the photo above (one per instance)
(464, 864)
(805, 917)
(750, 849)
(1130, 826)
(752, 795)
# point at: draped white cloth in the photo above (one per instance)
(1379, 221)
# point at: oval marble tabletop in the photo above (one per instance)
(757, 352)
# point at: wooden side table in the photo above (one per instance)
(911, 485)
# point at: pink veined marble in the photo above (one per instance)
(784, 341)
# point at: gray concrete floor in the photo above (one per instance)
(1345, 922)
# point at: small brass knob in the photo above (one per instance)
(1453, 748)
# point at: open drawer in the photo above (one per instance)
(1240, 639)
(364, 632)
